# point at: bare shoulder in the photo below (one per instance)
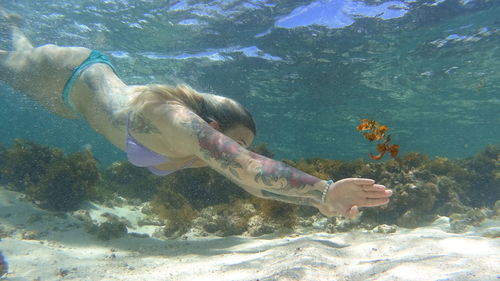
(178, 124)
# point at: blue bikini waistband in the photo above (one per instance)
(94, 57)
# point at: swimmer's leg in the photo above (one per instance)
(19, 41)
(14, 22)
(12, 61)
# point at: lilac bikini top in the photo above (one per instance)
(141, 156)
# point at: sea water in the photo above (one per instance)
(427, 69)
(309, 71)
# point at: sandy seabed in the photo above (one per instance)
(57, 247)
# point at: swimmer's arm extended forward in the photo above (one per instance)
(247, 169)
(269, 178)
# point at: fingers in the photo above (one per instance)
(372, 202)
(373, 187)
(360, 181)
(378, 194)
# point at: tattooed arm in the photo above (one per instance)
(257, 174)
(260, 175)
(262, 193)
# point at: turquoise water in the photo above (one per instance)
(307, 70)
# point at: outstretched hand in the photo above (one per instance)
(346, 195)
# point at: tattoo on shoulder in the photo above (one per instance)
(143, 125)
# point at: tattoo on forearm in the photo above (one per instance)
(274, 174)
(289, 199)
(279, 172)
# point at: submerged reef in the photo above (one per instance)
(47, 176)
(206, 203)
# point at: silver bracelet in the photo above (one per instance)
(325, 191)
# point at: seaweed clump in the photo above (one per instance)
(202, 187)
(254, 217)
(484, 177)
(112, 228)
(425, 188)
(173, 207)
(129, 181)
(202, 200)
(205, 199)
(49, 177)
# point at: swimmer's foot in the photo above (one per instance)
(346, 195)
(9, 20)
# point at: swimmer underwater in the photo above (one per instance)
(166, 128)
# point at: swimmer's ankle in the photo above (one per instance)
(11, 19)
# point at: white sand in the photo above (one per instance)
(62, 250)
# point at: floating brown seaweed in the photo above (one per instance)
(377, 132)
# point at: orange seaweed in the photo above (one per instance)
(377, 132)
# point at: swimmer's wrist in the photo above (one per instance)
(327, 186)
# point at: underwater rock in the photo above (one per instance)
(174, 230)
(496, 208)
(3, 232)
(464, 222)
(384, 228)
(114, 217)
(450, 196)
(7, 231)
(492, 233)
(30, 235)
(284, 215)
(4, 269)
(34, 218)
(148, 209)
(225, 219)
(150, 221)
(410, 219)
(82, 215)
(316, 221)
(340, 224)
(112, 228)
(257, 226)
